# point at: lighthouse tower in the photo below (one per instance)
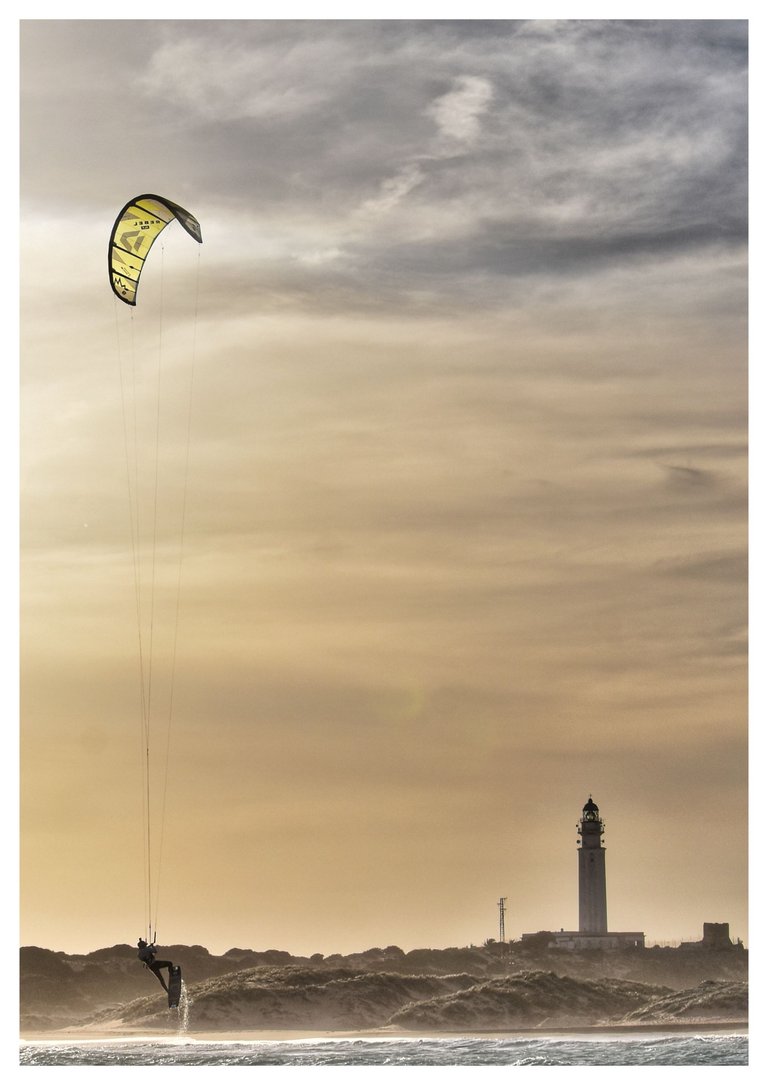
(593, 912)
(593, 930)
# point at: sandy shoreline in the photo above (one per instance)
(87, 1035)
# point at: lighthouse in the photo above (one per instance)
(593, 930)
(593, 911)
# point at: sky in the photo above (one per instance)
(451, 403)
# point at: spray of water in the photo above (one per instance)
(183, 1009)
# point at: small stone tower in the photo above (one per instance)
(593, 912)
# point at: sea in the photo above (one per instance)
(714, 1049)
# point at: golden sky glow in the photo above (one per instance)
(466, 516)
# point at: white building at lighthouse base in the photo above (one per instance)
(582, 940)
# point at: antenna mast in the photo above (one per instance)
(502, 913)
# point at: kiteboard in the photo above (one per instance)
(174, 987)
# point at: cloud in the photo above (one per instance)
(726, 567)
(457, 113)
(261, 80)
(685, 477)
(457, 117)
(391, 192)
(319, 257)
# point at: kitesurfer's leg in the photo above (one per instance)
(155, 967)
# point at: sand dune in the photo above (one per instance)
(418, 991)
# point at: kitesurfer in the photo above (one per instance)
(147, 955)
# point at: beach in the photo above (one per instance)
(88, 1034)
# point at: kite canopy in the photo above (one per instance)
(141, 220)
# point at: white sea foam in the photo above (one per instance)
(690, 1050)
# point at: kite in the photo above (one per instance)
(137, 226)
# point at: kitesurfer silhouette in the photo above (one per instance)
(147, 955)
